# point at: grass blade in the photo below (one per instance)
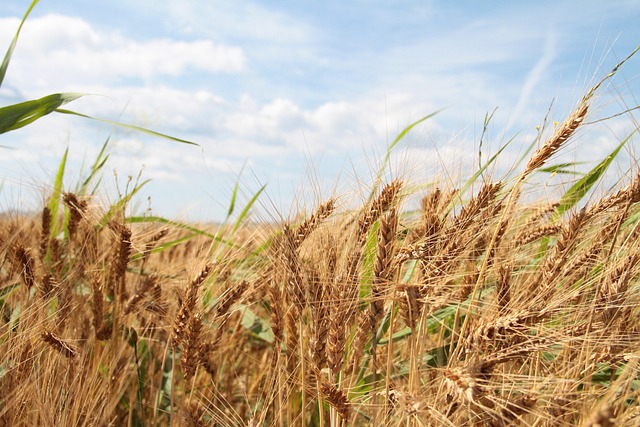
(127, 126)
(469, 182)
(15, 116)
(165, 246)
(161, 220)
(582, 187)
(101, 160)
(246, 209)
(194, 230)
(120, 204)
(562, 168)
(387, 156)
(12, 46)
(57, 192)
(234, 196)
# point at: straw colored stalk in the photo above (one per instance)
(337, 334)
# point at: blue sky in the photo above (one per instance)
(305, 94)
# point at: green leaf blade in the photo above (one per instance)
(582, 187)
(16, 116)
(128, 126)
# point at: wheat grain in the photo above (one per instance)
(76, 210)
(337, 399)
(559, 137)
(58, 344)
(188, 305)
(45, 232)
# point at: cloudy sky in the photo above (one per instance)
(305, 95)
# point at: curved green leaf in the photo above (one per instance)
(15, 116)
(582, 187)
(387, 156)
(101, 160)
(234, 196)
(127, 126)
(120, 204)
(247, 208)
(562, 168)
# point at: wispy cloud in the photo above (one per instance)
(535, 76)
(63, 50)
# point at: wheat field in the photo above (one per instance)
(483, 306)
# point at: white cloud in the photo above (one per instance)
(282, 122)
(59, 50)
